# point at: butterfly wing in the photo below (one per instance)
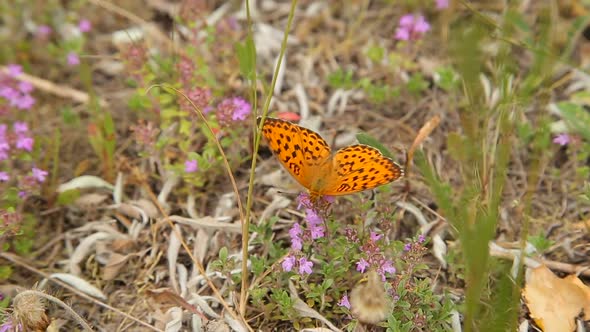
(300, 150)
(360, 167)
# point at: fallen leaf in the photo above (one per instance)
(555, 303)
(424, 132)
(114, 265)
(166, 296)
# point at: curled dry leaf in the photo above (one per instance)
(90, 201)
(167, 297)
(555, 303)
(147, 206)
(85, 181)
(422, 134)
(114, 264)
(306, 311)
(174, 323)
(201, 302)
(131, 211)
(84, 248)
(80, 284)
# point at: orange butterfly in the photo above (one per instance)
(309, 159)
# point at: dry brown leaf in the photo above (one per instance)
(555, 303)
(90, 200)
(115, 263)
(166, 296)
(422, 134)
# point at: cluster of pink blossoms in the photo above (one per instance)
(19, 138)
(314, 229)
(413, 27)
(17, 94)
(14, 139)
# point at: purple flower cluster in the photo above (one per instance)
(19, 139)
(43, 32)
(72, 58)
(231, 110)
(416, 245)
(344, 302)
(314, 229)
(562, 139)
(442, 4)
(303, 265)
(186, 69)
(200, 97)
(84, 25)
(16, 93)
(411, 27)
(374, 258)
(191, 166)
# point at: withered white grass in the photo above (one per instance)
(369, 301)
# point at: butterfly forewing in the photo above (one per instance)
(360, 167)
(300, 150)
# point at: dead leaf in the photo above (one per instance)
(115, 263)
(166, 296)
(422, 134)
(90, 200)
(555, 303)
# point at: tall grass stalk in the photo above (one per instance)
(483, 149)
(257, 136)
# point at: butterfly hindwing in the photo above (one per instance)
(360, 167)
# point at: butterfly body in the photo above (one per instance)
(309, 159)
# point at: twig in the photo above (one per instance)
(56, 89)
(497, 251)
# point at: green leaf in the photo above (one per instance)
(341, 79)
(70, 118)
(5, 272)
(577, 118)
(376, 53)
(446, 79)
(223, 254)
(68, 197)
(417, 84)
(369, 140)
(246, 53)
(540, 242)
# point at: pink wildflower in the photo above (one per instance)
(411, 27)
(39, 174)
(562, 139)
(43, 31)
(344, 302)
(375, 236)
(362, 265)
(73, 59)
(288, 263)
(84, 25)
(191, 166)
(442, 4)
(305, 266)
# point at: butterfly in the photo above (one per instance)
(309, 159)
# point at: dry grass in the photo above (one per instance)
(121, 240)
